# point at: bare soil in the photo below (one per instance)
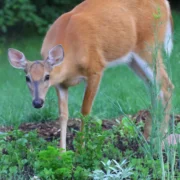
(51, 130)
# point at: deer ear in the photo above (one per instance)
(17, 58)
(56, 55)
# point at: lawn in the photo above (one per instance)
(120, 91)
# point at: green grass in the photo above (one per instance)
(120, 91)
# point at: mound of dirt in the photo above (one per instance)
(51, 130)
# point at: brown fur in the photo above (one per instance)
(97, 32)
(37, 71)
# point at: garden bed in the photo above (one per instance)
(105, 140)
(51, 130)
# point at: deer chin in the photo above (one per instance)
(40, 107)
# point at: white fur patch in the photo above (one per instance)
(144, 66)
(62, 93)
(168, 6)
(161, 94)
(168, 43)
(123, 60)
(127, 59)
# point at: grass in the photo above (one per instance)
(120, 91)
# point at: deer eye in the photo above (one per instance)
(28, 79)
(47, 77)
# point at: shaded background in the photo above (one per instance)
(175, 4)
(16, 15)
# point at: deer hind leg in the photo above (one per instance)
(145, 72)
(166, 92)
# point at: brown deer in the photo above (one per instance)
(97, 34)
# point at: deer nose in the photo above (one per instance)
(38, 103)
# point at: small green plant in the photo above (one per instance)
(112, 170)
(89, 144)
(81, 173)
(53, 163)
(128, 129)
(145, 168)
(18, 152)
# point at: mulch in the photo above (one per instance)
(51, 130)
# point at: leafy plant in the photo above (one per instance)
(112, 171)
(145, 168)
(81, 173)
(53, 163)
(128, 129)
(89, 144)
(18, 152)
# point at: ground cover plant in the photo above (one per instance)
(25, 156)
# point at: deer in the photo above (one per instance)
(93, 36)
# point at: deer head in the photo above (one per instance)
(37, 73)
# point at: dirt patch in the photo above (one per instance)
(51, 130)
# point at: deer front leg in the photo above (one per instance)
(90, 92)
(62, 94)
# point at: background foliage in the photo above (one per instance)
(175, 4)
(16, 14)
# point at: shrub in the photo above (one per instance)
(18, 12)
(38, 14)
